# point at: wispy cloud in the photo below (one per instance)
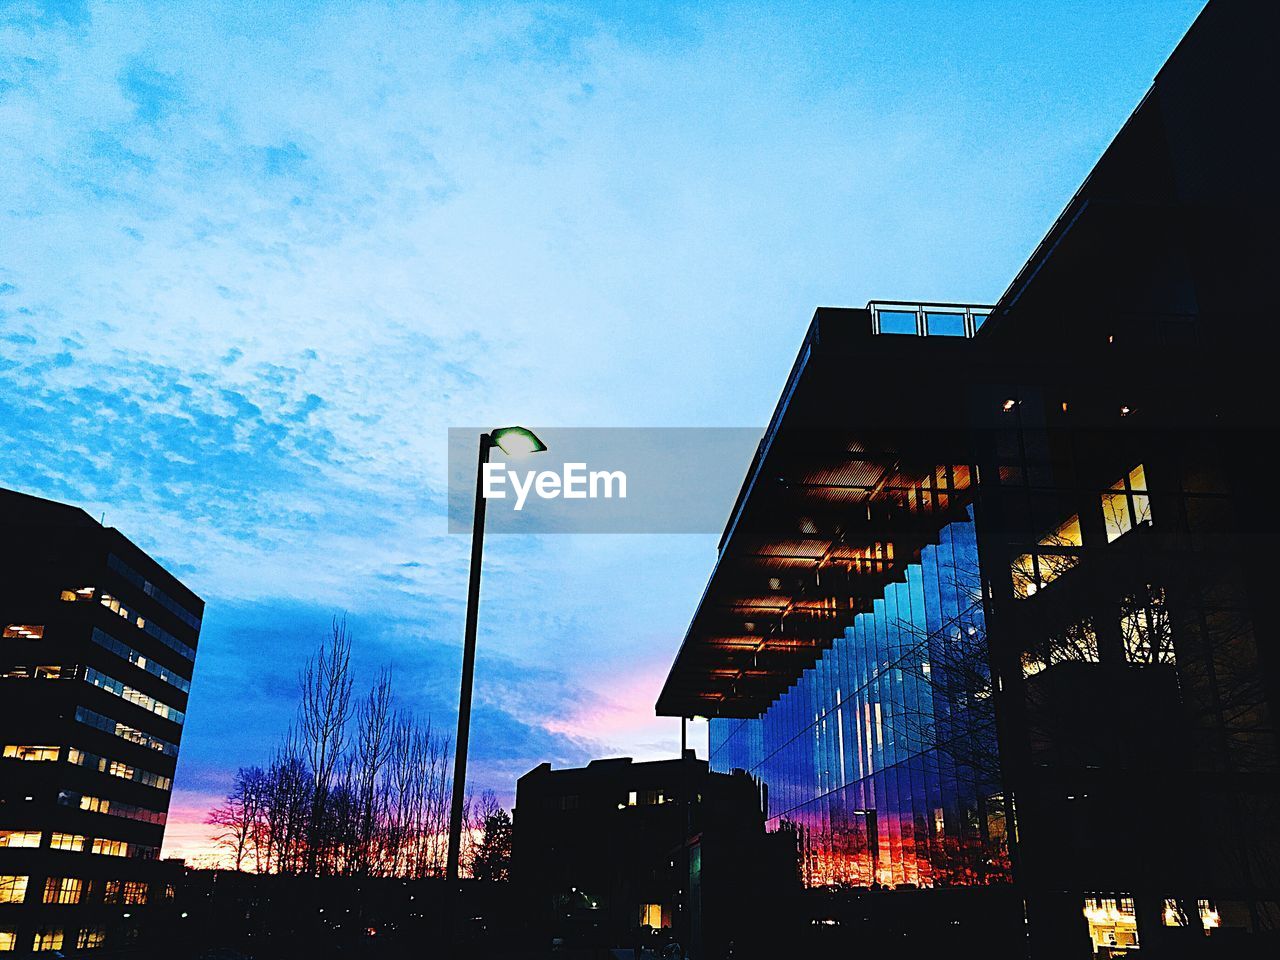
(255, 259)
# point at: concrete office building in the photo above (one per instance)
(98, 647)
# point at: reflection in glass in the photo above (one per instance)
(945, 324)
(897, 321)
(882, 758)
(1126, 504)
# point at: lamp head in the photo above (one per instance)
(516, 441)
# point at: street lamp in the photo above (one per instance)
(513, 441)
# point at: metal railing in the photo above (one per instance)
(927, 319)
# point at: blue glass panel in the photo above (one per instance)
(945, 324)
(897, 321)
(869, 756)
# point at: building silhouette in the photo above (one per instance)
(994, 608)
(96, 659)
(619, 853)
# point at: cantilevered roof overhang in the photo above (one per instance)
(865, 459)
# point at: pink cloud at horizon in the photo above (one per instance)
(186, 835)
(620, 716)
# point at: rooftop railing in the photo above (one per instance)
(927, 319)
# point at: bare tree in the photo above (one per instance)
(325, 707)
(418, 798)
(283, 824)
(354, 788)
(372, 752)
(239, 815)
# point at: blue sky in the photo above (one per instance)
(255, 260)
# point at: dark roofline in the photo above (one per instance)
(20, 509)
(602, 764)
(14, 504)
(1076, 205)
(840, 323)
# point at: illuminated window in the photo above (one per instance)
(133, 695)
(1113, 925)
(109, 848)
(117, 768)
(67, 841)
(13, 889)
(1145, 628)
(1115, 510)
(151, 590)
(8, 940)
(1176, 916)
(1025, 580)
(52, 671)
(1066, 535)
(44, 671)
(644, 798)
(112, 807)
(50, 938)
(126, 732)
(127, 652)
(20, 838)
(91, 937)
(164, 636)
(1032, 572)
(23, 752)
(997, 828)
(1126, 505)
(652, 915)
(125, 891)
(1208, 915)
(119, 848)
(24, 631)
(1077, 643)
(63, 890)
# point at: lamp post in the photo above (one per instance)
(511, 441)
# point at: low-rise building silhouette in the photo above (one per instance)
(618, 853)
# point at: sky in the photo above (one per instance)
(257, 259)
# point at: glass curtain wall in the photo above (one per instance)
(882, 758)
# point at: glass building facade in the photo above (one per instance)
(882, 757)
(1097, 599)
